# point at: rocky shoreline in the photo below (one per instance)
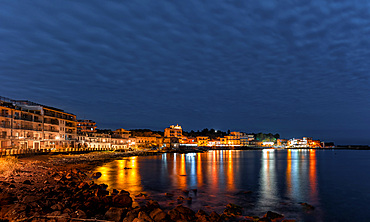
(59, 188)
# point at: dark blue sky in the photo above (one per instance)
(300, 68)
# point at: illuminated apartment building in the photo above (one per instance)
(233, 139)
(25, 124)
(202, 140)
(86, 126)
(173, 131)
(121, 133)
(305, 142)
(95, 140)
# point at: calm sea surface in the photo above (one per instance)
(337, 182)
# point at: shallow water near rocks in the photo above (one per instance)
(335, 182)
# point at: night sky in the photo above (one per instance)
(299, 69)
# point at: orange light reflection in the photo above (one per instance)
(313, 174)
(289, 172)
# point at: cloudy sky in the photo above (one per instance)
(298, 68)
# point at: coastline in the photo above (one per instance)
(59, 188)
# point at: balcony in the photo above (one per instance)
(51, 130)
(5, 115)
(27, 118)
(53, 122)
(5, 125)
(70, 131)
(28, 128)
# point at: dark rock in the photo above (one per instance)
(57, 207)
(158, 215)
(12, 181)
(124, 192)
(75, 171)
(203, 218)
(115, 214)
(96, 175)
(186, 192)
(55, 213)
(195, 191)
(233, 210)
(141, 195)
(131, 215)
(100, 192)
(46, 182)
(307, 206)
(107, 200)
(69, 176)
(80, 214)
(122, 200)
(11, 186)
(181, 213)
(201, 213)
(30, 199)
(114, 192)
(144, 216)
(273, 216)
(103, 186)
(28, 182)
(251, 218)
(67, 210)
(189, 200)
(83, 185)
(151, 205)
(215, 217)
(57, 177)
(168, 194)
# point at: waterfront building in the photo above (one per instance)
(281, 142)
(121, 133)
(119, 143)
(173, 131)
(202, 140)
(146, 141)
(233, 139)
(170, 143)
(297, 143)
(86, 126)
(95, 140)
(305, 142)
(28, 125)
(244, 141)
(214, 142)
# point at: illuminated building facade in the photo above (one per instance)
(173, 131)
(147, 141)
(233, 139)
(214, 142)
(95, 140)
(121, 133)
(86, 126)
(25, 124)
(202, 140)
(305, 142)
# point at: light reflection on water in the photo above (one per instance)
(278, 179)
(121, 173)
